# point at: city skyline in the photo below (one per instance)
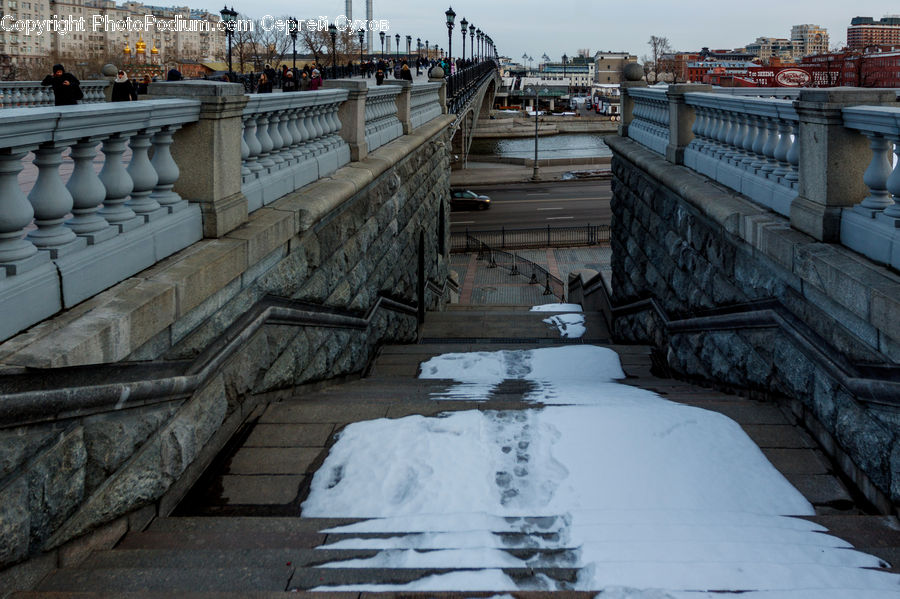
(524, 28)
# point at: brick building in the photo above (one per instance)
(866, 31)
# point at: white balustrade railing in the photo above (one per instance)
(98, 228)
(382, 124)
(748, 144)
(872, 227)
(20, 94)
(288, 141)
(650, 126)
(424, 103)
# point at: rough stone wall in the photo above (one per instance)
(67, 476)
(668, 247)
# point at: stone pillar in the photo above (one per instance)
(352, 115)
(442, 94)
(208, 152)
(627, 105)
(832, 158)
(681, 120)
(402, 101)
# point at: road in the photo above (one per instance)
(526, 205)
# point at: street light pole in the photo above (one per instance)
(472, 41)
(292, 23)
(408, 45)
(397, 49)
(362, 37)
(381, 35)
(332, 30)
(451, 16)
(476, 52)
(462, 27)
(534, 172)
(229, 15)
(427, 54)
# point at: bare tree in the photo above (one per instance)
(316, 41)
(653, 64)
(267, 45)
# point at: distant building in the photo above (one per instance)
(865, 31)
(809, 40)
(577, 73)
(766, 48)
(608, 66)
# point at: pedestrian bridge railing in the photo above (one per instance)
(21, 94)
(827, 159)
(92, 194)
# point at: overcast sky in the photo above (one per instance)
(564, 26)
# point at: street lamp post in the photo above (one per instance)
(451, 16)
(462, 27)
(362, 37)
(472, 41)
(397, 48)
(381, 35)
(537, 90)
(475, 52)
(408, 45)
(427, 54)
(332, 31)
(565, 74)
(292, 24)
(229, 15)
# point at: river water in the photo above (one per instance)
(567, 145)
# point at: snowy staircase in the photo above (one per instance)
(241, 532)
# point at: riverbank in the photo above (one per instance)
(547, 125)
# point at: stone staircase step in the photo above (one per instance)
(311, 578)
(220, 558)
(211, 578)
(212, 524)
(878, 535)
(222, 540)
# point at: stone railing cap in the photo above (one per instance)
(195, 88)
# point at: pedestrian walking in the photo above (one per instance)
(122, 89)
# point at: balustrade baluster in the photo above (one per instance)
(143, 176)
(15, 209)
(306, 150)
(759, 144)
(277, 142)
(296, 134)
(284, 131)
(88, 194)
(334, 125)
(893, 183)
(793, 157)
(167, 171)
(265, 142)
(52, 203)
(316, 124)
(251, 139)
(750, 134)
(876, 175)
(772, 140)
(118, 185)
(245, 150)
(782, 149)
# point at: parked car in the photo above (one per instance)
(464, 199)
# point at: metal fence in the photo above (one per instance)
(520, 239)
(516, 265)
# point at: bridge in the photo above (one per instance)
(267, 244)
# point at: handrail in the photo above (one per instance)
(516, 265)
(533, 237)
(30, 395)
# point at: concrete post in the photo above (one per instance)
(681, 120)
(403, 103)
(352, 115)
(832, 158)
(442, 94)
(627, 105)
(208, 152)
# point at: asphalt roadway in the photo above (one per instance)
(524, 205)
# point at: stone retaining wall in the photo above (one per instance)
(70, 481)
(694, 247)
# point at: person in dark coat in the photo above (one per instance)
(143, 87)
(315, 82)
(66, 87)
(290, 83)
(123, 90)
(379, 77)
(405, 73)
(264, 86)
(174, 75)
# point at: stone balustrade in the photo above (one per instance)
(650, 126)
(79, 221)
(822, 157)
(746, 144)
(382, 124)
(872, 227)
(68, 239)
(289, 140)
(20, 94)
(424, 103)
